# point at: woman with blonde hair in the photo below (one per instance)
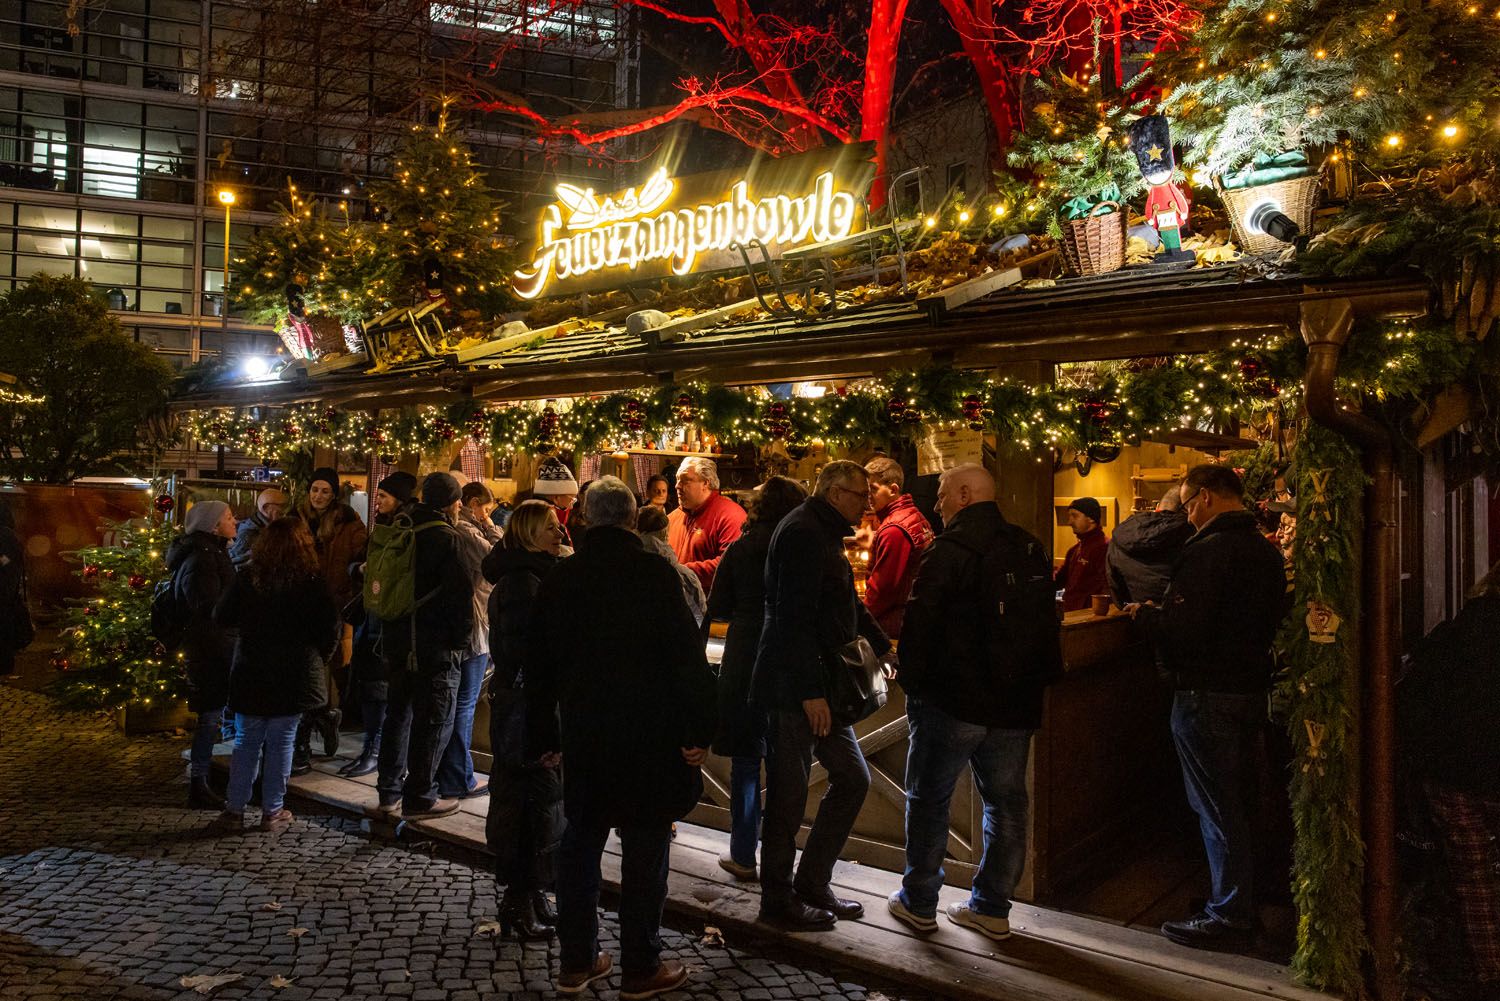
(525, 818)
(288, 628)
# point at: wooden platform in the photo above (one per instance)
(1053, 956)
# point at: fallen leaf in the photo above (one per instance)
(876, 996)
(296, 932)
(271, 905)
(207, 983)
(279, 982)
(490, 928)
(712, 936)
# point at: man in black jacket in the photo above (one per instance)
(961, 714)
(618, 686)
(1144, 548)
(421, 655)
(811, 611)
(1213, 631)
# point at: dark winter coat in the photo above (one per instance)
(200, 567)
(245, 534)
(943, 656)
(444, 620)
(525, 820)
(739, 598)
(339, 547)
(811, 608)
(285, 639)
(1449, 700)
(1142, 552)
(1227, 598)
(614, 646)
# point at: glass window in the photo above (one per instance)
(174, 303)
(107, 274)
(166, 229)
(164, 338)
(28, 266)
(109, 223)
(48, 217)
(47, 243)
(95, 248)
(167, 278)
(167, 253)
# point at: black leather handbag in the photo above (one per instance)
(857, 687)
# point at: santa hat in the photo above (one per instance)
(554, 479)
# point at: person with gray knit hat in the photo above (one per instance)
(201, 571)
(422, 653)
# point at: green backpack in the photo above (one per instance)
(390, 591)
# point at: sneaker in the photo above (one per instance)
(1204, 931)
(276, 822)
(573, 982)
(669, 976)
(907, 916)
(995, 929)
(386, 808)
(438, 808)
(227, 823)
(744, 873)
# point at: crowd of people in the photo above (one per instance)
(589, 615)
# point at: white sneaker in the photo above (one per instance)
(996, 929)
(744, 873)
(904, 914)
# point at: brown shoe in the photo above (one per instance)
(573, 982)
(278, 821)
(669, 976)
(439, 808)
(227, 823)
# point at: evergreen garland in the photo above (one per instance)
(109, 657)
(1320, 692)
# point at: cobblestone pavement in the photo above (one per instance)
(110, 888)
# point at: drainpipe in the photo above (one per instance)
(1326, 326)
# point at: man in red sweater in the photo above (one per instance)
(710, 521)
(1084, 572)
(898, 545)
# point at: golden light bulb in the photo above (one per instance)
(929, 222)
(1450, 131)
(1393, 140)
(999, 210)
(963, 216)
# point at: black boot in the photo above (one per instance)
(367, 762)
(542, 907)
(517, 914)
(302, 749)
(327, 721)
(202, 797)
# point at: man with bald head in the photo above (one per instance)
(270, 504)
(978, 647)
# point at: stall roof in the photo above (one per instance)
(1129, 313)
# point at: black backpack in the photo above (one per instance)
(1018, 605)
(168, 614)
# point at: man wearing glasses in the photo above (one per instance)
(1214, 629)
(811, 612)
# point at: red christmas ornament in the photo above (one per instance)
(546, 430)
(444, 429)
(632, 416)
(895, 409)
(219, 430)
(685, 409)
(776, 423)
(136, 581)
(375, 436)
(61, 664)
(89, 610)
(1096, 410)
(478, 425)
(108, 574)
(254, 437)
(972, 409)
(165, 503)
(90, 571)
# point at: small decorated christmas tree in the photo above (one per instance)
(108, 656)
(440, 221)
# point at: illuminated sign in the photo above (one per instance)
(666, 227)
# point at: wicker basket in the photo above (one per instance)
(1296, 198)
(1095, 245)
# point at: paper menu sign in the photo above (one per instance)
(942, 448)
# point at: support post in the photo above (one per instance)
(1326, 326)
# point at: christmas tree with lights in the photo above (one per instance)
(332, 261)
(109, 657)
(439, 222)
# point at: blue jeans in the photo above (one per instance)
(744, 808)
(940, 748)
(645, 852)
(1215, 734)
(455, 775)
(276, 734)
(206, 734)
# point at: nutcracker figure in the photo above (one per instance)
(1167, 205)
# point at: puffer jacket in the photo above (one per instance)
(200, 566)
(1141, 554)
